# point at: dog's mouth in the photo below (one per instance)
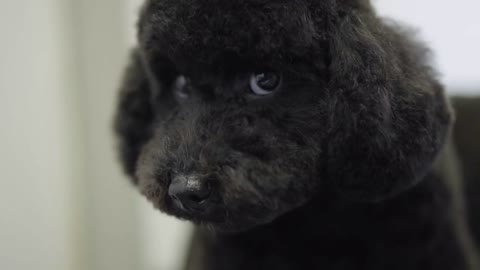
(215, 217)
(198, 211)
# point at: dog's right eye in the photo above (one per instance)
(264, 83)
(180, 88)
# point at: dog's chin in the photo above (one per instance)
(229, 226)
(221, 224)
(238, 224)
(221, 221)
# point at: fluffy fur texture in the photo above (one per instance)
(334, 170)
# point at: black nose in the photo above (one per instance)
(190, 192)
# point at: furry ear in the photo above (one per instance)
(389, 115)
(134, 115)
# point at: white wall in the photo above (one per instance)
(64, 204)
(110, 231)
(36, 219)
(452, 30)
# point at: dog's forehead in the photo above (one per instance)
(207, 31)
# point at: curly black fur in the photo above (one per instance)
(335, 170)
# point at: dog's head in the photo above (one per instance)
(250, 108)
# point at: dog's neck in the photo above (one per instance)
(415, 225)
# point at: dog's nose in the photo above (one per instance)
(191, 192)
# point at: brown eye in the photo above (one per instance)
(264, 83)
(180, 88)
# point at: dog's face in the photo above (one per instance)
(237, 146)
(254, 111)
(235, 151)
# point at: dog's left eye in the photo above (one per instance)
(180, 88)
(264, 83)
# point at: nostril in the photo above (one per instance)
(201, 194)
(197, 198)
(197, 193)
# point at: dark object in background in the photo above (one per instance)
(467, 142)
(303, 134)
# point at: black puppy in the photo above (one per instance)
(303, 134)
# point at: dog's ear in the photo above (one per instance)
(134, 115)
(389, 115)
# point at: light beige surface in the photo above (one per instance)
(36, 231)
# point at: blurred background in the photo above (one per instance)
(64, 203)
